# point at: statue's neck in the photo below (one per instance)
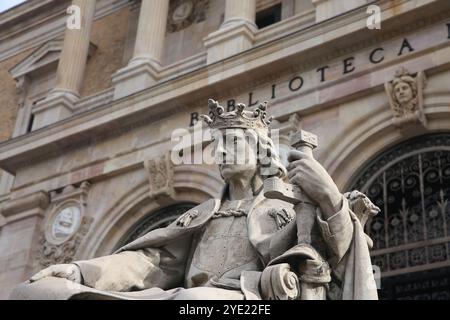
(240, 189)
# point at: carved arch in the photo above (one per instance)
(192, 184)
(364, 140)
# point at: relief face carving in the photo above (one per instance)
(405, 93)
(183, 13)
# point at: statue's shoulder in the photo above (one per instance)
(198, 215)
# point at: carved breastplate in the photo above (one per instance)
(225, 244)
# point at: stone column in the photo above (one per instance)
(236, 33)
(326, 9)
(151, 31)
(143, 69)
(302, 6)
(72, 64)
(238, 12)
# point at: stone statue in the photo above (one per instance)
(303, 241)
(405, 93)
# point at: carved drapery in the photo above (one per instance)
(159, 219)
(411, 185)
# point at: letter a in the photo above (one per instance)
(74, 21)
(374, 21)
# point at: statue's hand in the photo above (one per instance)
(70, 272)
(314, 180)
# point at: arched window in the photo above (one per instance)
(411, 185)
(159, 219)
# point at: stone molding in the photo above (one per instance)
(229, 41)
(32, 204)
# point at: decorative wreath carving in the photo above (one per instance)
(183, 13)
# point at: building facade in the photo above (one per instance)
(91, 93)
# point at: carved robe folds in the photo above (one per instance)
(157, 265)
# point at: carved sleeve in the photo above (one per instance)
(337, 231)
(137, 270)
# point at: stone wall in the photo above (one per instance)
(8, 96)
(109, 35)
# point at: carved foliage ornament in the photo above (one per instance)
(160, 174)
(183, 13)
(405, 93)
(65, 252)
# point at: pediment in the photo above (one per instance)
(46, 54)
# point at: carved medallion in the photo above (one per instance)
(183, 13)
(51, 253)
(65, 224)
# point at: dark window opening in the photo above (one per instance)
(30, 123)
(269, 16)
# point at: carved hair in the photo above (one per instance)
(267, 154)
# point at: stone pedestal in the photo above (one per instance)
(236, 33)
(326, 9)
(143, 69)
(57, 106)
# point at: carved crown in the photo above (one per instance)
(402, 75)
(239, 118)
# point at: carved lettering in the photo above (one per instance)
(405, 45)
(348, 65)
(194, 118)
(231, 105)
(322, 73)
(250, 100)
(296, 83)
(372, 56)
